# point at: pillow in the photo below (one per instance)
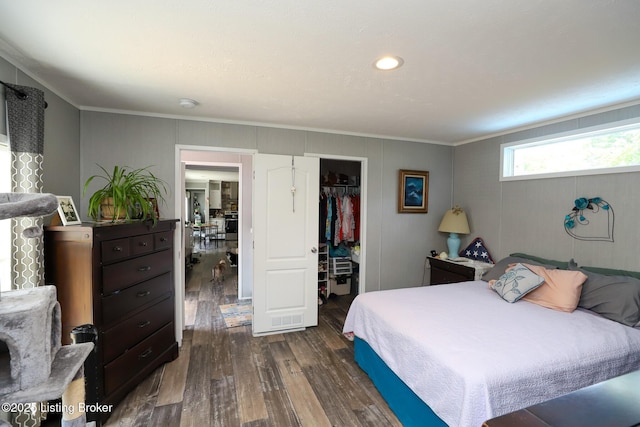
(502, 265)
(611, 272)
(615, 297)
(477, 251)
(558, 264)
(560, 290)
(516, 283)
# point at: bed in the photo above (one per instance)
(459, 354)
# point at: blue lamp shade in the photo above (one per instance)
(454, 222)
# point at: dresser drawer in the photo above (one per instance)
(119, 304)
(141, 244)
(134, 329)
(113, 250)
(126, 273)
(135, 360)
(163, 240)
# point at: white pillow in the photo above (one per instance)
(516, 283)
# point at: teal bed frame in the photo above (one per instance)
(408, 407)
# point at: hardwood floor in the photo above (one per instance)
(226, 377)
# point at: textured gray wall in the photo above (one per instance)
(528, 216)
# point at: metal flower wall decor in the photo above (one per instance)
(595, 213)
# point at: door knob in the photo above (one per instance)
(314, 250)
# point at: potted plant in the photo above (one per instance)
(127, 194)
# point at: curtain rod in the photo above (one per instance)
(21, 94)
(18, 92)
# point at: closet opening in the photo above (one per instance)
(339, 231)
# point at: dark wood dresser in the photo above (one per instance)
(118, 277)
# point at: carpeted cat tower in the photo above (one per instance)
(34, 366)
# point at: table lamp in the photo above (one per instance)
(454, 222)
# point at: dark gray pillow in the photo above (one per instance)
(501, 266)
(614, 297)
(563, 265)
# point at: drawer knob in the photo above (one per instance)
(163, 239)
(144, 324)
(146, 353)
(143, 294)
(117, 249)
(143, 243)
(145, 268)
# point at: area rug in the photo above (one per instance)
(237, 314)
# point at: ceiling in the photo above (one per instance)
(472, 68)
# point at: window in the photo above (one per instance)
(603, 150)
(5, 224)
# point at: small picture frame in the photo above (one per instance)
(413, 191)
(67, 211)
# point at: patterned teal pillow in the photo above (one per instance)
(516, 283)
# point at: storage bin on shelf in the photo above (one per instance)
(340, 276)
(341, 266)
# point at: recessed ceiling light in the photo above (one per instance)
(188, 103)
(387, 63)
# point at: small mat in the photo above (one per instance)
(237, 314)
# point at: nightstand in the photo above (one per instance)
(461, 270)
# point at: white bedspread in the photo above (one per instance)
(472, 356)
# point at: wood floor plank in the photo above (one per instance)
(203, 325)
(257, 423)
(144, 412)
(276, 337)
(280, 409)
(251, 405)
(319, 351)
(361, 378)
(308, 408)
(329, 336)
(264, 359)
(224, 407)
(334, 399)
(280, 350)
(166, 415)
(279, 406)
(139, 403)
(175, 377)
(231, 287)
(372, 416)
(301, 349)
(340, 378)
(196, 405)
(208, 291)
(221, 355)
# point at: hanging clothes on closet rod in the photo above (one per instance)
(339, 214)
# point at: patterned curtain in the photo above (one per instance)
(25, 125)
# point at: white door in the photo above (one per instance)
(285, 233)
